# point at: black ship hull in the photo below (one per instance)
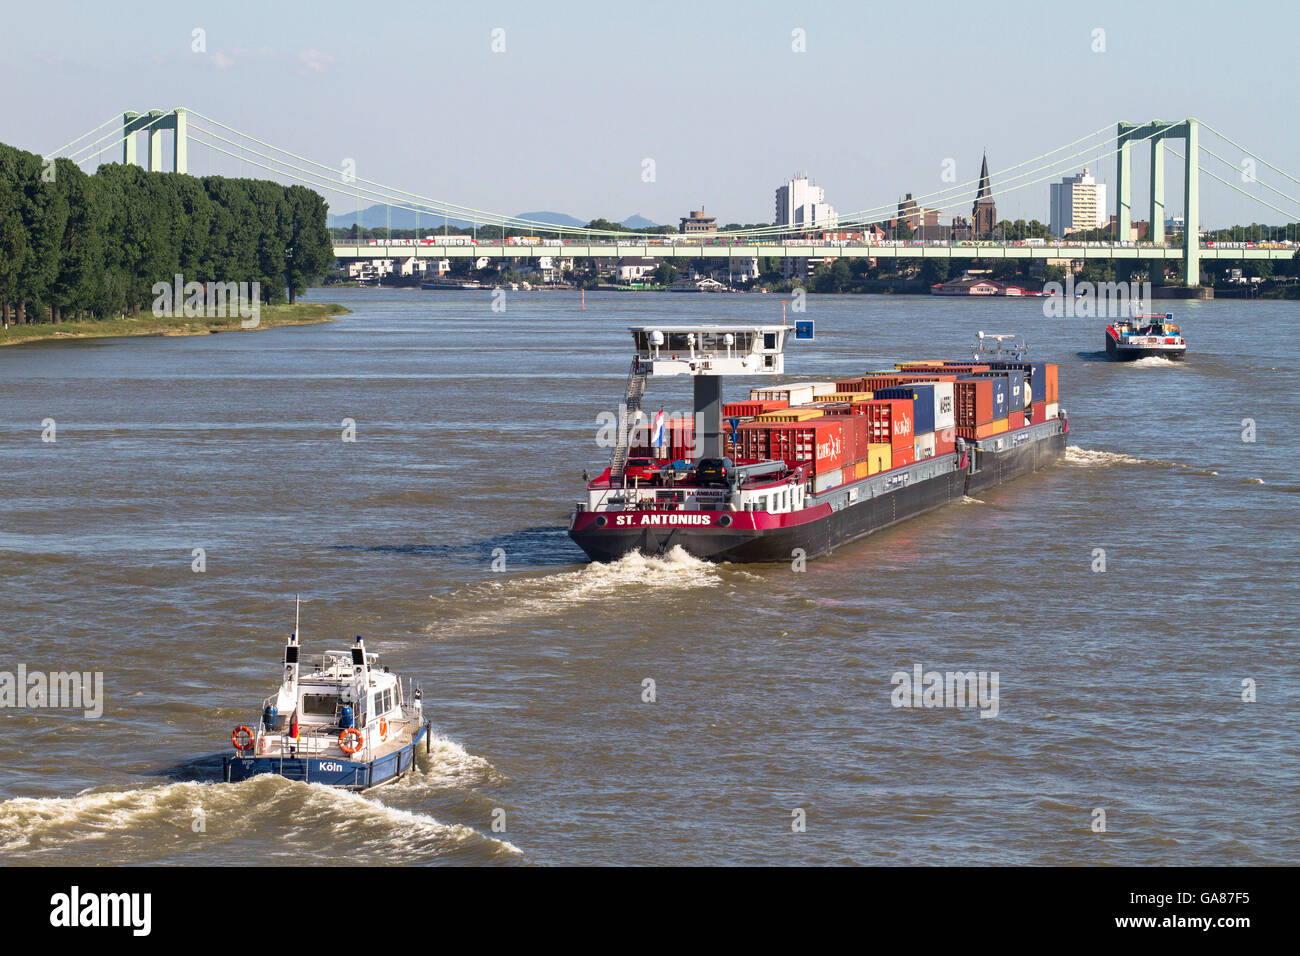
(1120, 353)
(1039, 447)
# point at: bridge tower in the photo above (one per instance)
(155, 122)
(1189, 131)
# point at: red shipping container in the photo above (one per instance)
(752, 409)
(904, 456)
(1015, 420)
(875, 383)
(973, 398)
(1038, 413)
(889, 420)
(818, 442)
(945, 441)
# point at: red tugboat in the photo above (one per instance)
(808, 466)
(1145, 336)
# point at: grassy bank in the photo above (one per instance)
(300, 313)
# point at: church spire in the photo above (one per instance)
(985, 190)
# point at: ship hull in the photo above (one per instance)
(330, 771)
(827, 530)
(1121, 353)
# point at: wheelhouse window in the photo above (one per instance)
(319, 705)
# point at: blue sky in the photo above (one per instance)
(713, 93)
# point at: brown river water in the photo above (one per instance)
(771, 738)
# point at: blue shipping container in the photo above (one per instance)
(922, 397)
(1001, 393)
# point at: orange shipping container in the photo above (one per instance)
(1015, 420)
(890, 420)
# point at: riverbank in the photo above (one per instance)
(272, 316)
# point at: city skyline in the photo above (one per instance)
(609, 152)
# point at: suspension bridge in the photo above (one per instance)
(340, 185)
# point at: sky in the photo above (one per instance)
(610, 109)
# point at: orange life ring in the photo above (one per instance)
(351, 732)
(383, 728)
(242, 732)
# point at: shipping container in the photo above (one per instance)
(826, 480)
(1016, 420)
(1051, 386)
(922, 398)
(945, 440)
(1012, 381)
(1001, 392)
(863, 469)
(799, 394)
(819, 443)
(820, 389)
(790, 415)
(751, 409)
(973, 401)
(923, 447)
(853, 396)
(880, 457)
(1051, 410)
(1038, 413)
(904, 456)
(985, 430)
(889, 420)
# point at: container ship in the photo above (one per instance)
(1145, 336)
(801, 468)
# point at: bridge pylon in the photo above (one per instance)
(1188, 130)
(155, 122)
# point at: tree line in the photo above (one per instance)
(74, 246)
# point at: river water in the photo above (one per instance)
(771, 737)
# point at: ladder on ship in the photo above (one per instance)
(636, 381)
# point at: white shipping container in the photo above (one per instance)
(800, 393)
(1052, 409)
(828, 480)
(944, 406)
(823, 388)
(923, 446)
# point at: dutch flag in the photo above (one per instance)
(657, 431)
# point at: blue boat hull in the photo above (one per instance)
(330, 771)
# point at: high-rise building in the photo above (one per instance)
(1078, 202)
(984, 214)
(801, 205)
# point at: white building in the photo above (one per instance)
(1078, 202)
(800, 204)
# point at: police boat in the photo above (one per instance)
(345, 722)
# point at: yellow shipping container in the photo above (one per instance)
(790, 415)
(998, 427)
(862, 469)
(847, 397)
(880, 457)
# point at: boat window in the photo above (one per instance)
(762, 503)
(319, 705)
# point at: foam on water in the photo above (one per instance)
(1155, 361)
(147, 819)
(526, 598)
(1074, 455)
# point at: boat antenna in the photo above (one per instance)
(297, 603)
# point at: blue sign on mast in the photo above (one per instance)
(803, 329)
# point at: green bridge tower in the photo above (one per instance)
(1156, 131)
(155, 122)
